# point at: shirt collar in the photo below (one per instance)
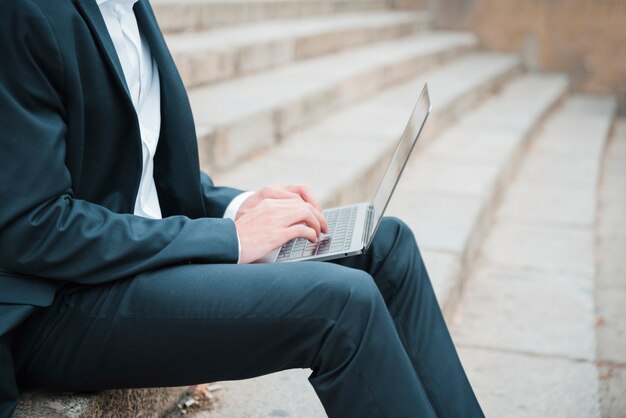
(125, 2)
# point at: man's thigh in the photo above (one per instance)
(185, 325)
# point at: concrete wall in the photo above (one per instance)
(585, 38)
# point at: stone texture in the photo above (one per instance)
(578, 130)
(542, 203)
(140, 403)
(568, 150)
(514, 385)
(612, 389)
(476, 144)
(544, 314)
(573, 173)
(614, 214)
(440, 222)
(611, 306)
(526, 322)
(377, 122)
(497, 131)
(452, 177)
(611, 244)
(610, 293)
(284, 394)
(444, 271)
(269, 106)
(187, 15)
(613, 196)
(612, 261)
(210, 56)
(542, 248)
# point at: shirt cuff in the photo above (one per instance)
(231, 213)
(235, 204)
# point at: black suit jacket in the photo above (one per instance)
(70, 159)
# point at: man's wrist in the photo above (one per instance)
(231, 213)
(235, 204)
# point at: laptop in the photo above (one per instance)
(352, 228)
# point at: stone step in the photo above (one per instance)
(448, 187)
(347, 152)
(448, 197)
(529, 306)
(150, 402)
(237, 118)
(210, 56)
(610, 278)
(191, 15)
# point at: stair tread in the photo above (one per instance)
(188, 15)
(229, 37)
(453, 167)
(231, 100)
(443, 195)
(533, 289)
(376, 123)
(215, 55)
(225, 2)
(532, 234)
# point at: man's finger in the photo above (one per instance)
(301, 231)
(292, 212)
(308, 216)
(307, 196)
(320, 218)
(305, 193)
(279, 193)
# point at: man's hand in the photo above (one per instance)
(293, 192)
(267, 225)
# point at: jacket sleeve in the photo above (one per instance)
(44, 230)
(216, 198)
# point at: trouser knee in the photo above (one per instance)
(396, 246)
(360, 298)
(355, 309)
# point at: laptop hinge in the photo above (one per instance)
(368, 226)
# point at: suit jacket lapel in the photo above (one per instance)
(150, 30)
(176, 166)
(91, 12)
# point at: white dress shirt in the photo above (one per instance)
(142, 78)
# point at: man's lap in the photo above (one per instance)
(213, 312)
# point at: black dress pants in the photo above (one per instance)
(369, 328)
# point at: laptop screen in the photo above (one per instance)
(398, 161)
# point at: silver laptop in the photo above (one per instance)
(352, 228)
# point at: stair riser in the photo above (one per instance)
(366, 183)
(224, 146)
(487, 215)
(189, 16)
(211, 65)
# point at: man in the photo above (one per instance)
(122, 265)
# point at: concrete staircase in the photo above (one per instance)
(317, 92)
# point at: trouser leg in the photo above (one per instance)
(199, 323)
(395, 263)
(11, 314)
(8, 389)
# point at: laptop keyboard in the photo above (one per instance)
(339, 237)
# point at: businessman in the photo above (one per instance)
(122, 265)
